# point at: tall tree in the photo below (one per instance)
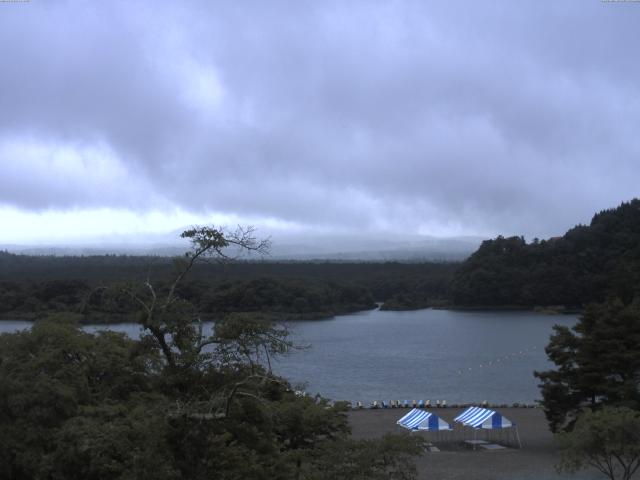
(598, 363)
(167, 319)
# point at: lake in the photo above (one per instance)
(457, 356)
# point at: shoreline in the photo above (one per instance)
(291, 317)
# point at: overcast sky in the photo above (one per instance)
(435, 118)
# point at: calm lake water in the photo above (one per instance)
(423, 354)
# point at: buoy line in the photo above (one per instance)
(499, 360)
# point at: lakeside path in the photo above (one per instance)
(535, 460)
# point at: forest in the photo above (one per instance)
(92, 286)
(589, 263)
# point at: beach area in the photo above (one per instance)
(456, 460)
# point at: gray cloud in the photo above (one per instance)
(487, 117)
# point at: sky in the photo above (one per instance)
(377, 118)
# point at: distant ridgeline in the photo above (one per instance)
(585, 265)
(31, 287)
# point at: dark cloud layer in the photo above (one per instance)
(431, 117)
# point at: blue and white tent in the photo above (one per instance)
(483, 418)
(423, 420)
(478, 417)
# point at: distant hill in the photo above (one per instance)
(325, 247)
(585, 265)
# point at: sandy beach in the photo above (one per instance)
(455, 460)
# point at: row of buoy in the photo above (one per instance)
(499, 360)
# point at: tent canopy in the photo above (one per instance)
(478, 417)
(423, 420)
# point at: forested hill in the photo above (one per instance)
(585, 265)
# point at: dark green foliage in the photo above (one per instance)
(53, 374)
(93, 286)
(119, 441)
(80, 406)
(608, 440)
(285, 296)
(405, 301)
(587, 264)
(35, 298)
(598, 363)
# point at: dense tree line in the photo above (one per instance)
(587, 264)
(92, 286)
(281, 298)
